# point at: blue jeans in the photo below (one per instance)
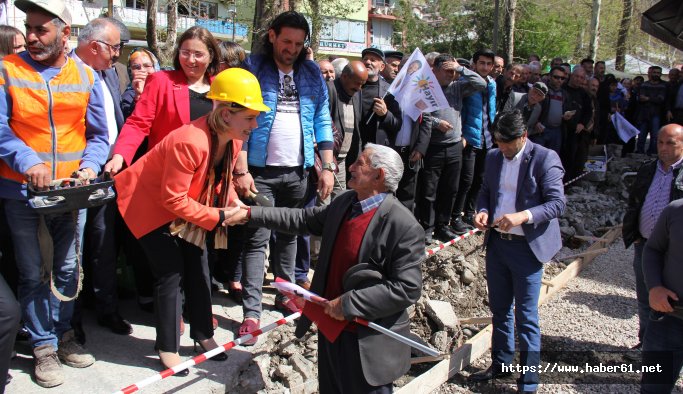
(514, 274)
(286, 187)
(303, 242)
(642, 294)
(663, 345)
(650, 126)
(45, 317)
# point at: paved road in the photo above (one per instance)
(123, 360)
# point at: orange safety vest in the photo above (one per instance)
(49, 118)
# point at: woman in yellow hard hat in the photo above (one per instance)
(179, 193)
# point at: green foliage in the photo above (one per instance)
(543, 30)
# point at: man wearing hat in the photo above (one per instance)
(62, 132)
(392, 59)
(531, 106)
(380, 113)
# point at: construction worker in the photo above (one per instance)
(52, 125)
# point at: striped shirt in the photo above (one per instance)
(658, 196)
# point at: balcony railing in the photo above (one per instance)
(223, 27)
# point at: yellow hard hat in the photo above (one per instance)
(238, 86)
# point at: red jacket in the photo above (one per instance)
(165, 183)
(163, 107)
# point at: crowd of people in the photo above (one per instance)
(195, 151)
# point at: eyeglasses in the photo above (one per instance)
(559, 78)
(198, 55)
(114, 48)
(138, 67)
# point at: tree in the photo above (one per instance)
(626, 16)
(510, 14)
(595, 29)
(162, 50)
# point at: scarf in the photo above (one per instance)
(214, 194)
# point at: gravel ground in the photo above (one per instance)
(592, 319)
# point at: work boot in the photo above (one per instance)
(47, 368)
(72, 353)
(459, 227)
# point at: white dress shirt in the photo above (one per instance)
(507, 191)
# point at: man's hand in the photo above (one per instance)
(539, 127)
(380, 107)
(481, 220)
(415, 156)
(244, 185)
(39, 176)
(579, 128)
(568, 115)
(114, 165)
(659, 299)
(444, 126)
(669, 116)
(86, 174)
(464, 143)
(325, 184)
(334, 309)
(510, 220)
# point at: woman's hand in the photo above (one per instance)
(114, 165)
(238, 213)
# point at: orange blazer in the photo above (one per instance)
(165, 183)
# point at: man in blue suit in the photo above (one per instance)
(520, 201)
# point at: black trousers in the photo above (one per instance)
(10, 314)
(339, 367)
(574, 153)
(173, 260)
(440, 180)
(100, 252)
(408, 185)
(471, 175)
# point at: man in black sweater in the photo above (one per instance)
(578, 110)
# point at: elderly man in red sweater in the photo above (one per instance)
(369, 267)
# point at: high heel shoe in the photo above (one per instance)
(168, 356)
(219, 357)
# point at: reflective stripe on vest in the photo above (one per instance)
(48, 117)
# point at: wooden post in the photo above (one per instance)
(584, 253)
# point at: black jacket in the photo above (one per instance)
(384, 283)
(630, 227)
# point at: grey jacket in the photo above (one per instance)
(386, 280)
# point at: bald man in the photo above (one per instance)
(345, 109)
(657, 183)
(326, 69)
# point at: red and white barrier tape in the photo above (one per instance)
(205, 356)
(451, 242)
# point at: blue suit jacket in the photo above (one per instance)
(539, 189)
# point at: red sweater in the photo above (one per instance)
(345, 252)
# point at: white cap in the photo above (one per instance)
(54, 7)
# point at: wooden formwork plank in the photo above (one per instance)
(479, 344)
(476, 320)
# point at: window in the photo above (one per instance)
(198, 9)
(382, 3)
(382, 31)
(357, 32)
(137, 4)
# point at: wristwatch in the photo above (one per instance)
(331, 166)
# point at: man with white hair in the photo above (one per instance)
(369, 267)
